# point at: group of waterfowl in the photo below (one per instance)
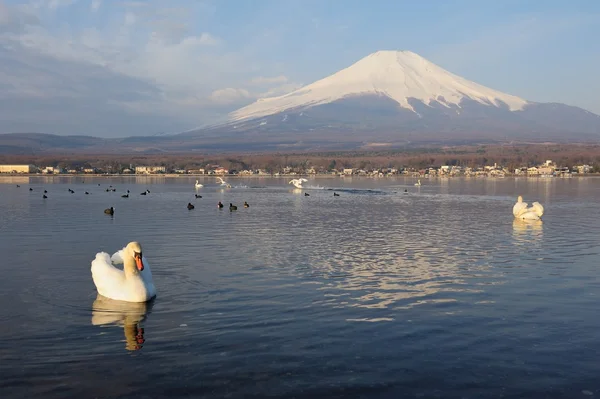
(134, 282)
(108, 190)
(232, 207)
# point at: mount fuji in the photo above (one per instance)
(399, 98)
(388, 99)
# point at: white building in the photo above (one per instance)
(17, 169)
(149, 169)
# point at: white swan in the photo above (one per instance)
(132, 284)
(198, 185)
(129, 315)
(298, 182)
(521, 211)
(224, 183)
(418, 183)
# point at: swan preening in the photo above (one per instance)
(224, 183)
(132, 284)
(522, 211)
(198, 185)
(298, 182)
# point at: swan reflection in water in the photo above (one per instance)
(129, 315)
(527, 231)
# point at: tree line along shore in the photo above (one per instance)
(406, 161)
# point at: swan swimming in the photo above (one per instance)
(132, 284)
(198, 185)
(224, 183)
(298, 182)
(418, 183)
(521, 211)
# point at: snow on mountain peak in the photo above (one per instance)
(399, 75)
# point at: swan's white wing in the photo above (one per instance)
(117, 257)
(519, 208)
(303, 180)
(537, 208)
(104, 274)
(147, 277)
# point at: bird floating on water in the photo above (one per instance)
(246, 205)
(219, 205)
(298, 182)
(522, 211)
(190, 206)
(110, 211)
(132, 284)
(232, 207)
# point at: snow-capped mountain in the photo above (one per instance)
(389, 98)
(397, 75)
(399, 97)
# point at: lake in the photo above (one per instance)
(375, 293)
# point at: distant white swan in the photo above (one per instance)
(129, 315)
(418, 183)
(298, 182)
(198, 185)
(223, 182)
(521, 211)
(132, 284)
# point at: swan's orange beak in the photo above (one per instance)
(138, 261)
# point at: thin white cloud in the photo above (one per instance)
(174, 70)
(261, 80)
(54, 4)
(95, 5)
(229, 95)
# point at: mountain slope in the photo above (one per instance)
(387, 98)
(399, 97)
(398, 75)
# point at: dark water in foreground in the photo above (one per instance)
(375, 294)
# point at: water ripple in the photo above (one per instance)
(303, 296)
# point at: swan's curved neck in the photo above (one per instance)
(129, 266)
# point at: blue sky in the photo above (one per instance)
(118, 68)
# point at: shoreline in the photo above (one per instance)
(326, 176)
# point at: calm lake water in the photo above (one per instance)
(373, 294)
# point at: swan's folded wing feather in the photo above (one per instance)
(538, 208)
(117, 257)
(104, 273)
(519, 208)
